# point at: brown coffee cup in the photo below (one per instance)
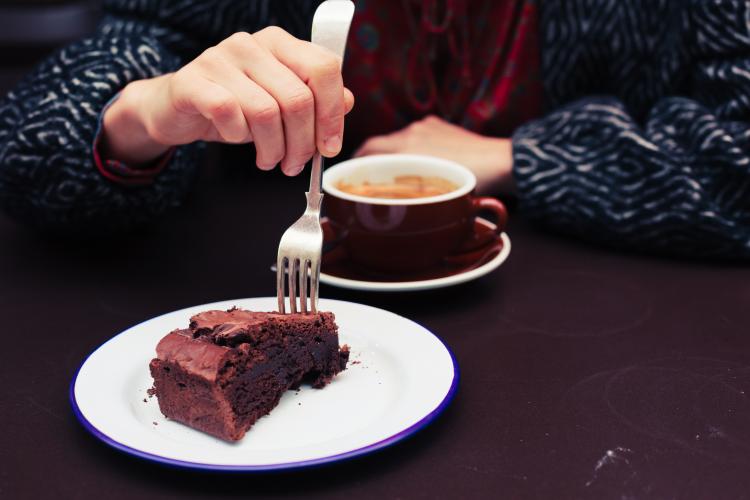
(405, 234)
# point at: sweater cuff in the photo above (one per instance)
(529, 165)
(119, 172)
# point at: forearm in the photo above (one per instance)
(676, 186)
(48, 124)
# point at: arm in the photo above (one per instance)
(48, 124)
(48, 172)
(677, 182)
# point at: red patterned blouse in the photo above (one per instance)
(474, 63)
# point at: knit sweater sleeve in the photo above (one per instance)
(48, 123)
(676, 181)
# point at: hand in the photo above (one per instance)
(491, 159)
(284, 94)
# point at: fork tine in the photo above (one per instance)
(303, 285)
(280, 272)
(293, 271)
(314, 278)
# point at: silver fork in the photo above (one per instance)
(301, 246)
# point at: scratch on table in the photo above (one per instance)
(474, 468)
(45, 409)
(715, 432)
(613, 457)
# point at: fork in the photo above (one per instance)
(301, 245)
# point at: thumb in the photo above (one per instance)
(348, 100)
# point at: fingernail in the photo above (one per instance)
(333, 144)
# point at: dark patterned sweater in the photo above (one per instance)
(646, 144)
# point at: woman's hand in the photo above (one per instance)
(491, 159)
(284, 94)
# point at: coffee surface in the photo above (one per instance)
(403, 186)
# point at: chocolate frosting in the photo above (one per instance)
(194, 356)
(226, 324)
(237, 325)
(204, 348)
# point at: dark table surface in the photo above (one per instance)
(586, 373)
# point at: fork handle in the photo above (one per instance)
(315, 173)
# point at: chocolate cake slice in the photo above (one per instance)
(229, 368)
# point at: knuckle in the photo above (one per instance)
(299, 101)
(266, 113)
(221, 107)
(239, 38)
(208, 60)
(209, 54)
(271, 32)
(238, 43)
(328, 66)
(177, 89)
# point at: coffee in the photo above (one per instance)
(402, 186)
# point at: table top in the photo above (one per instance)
(586, 373)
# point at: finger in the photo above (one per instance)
(261, 112)
(213, 135)
(196, 94)
(295, 99)
(264, 116)
(320, 69)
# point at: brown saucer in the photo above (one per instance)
(483, 246)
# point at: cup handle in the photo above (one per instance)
(495, 206)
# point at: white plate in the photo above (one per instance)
(399, 378)
(411, 286)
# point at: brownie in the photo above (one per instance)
(229, 368)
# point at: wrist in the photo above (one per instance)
(125, 131)
(506, 182)
(495, 175)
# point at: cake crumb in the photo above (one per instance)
(145, 400)
(151, 392)
(155, 423)
(357, 362)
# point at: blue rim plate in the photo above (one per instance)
(399, 379)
